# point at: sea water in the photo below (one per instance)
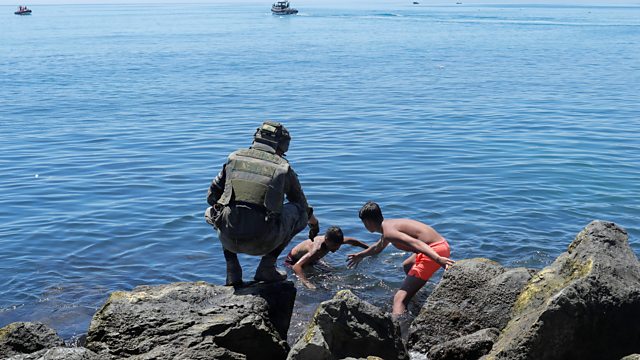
(506, 128)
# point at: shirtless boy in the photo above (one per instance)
(431, 250)
(310, 251)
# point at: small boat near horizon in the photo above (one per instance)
(282, 8)
(23, 10)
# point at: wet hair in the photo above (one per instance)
(371, 211)
(334, 235)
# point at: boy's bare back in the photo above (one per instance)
(413, 228)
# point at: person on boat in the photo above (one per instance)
(310, 251)
(431, 250)
(247, 204)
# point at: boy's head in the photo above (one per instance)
(371, 216)
(333, 238)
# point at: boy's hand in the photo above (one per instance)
(353, 260)
(445, 262)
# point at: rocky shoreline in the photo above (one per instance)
(585, 305)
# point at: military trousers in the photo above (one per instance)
(248, 230)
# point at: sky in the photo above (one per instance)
(327, 3)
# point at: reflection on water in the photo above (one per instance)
(507, 129)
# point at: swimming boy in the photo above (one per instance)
(430, 248)
(310, 251)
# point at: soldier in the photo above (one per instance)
(247, 204)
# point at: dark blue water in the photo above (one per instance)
(508, 129)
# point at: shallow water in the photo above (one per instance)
(508, 129)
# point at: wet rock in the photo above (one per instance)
(474, 294)
(25, 338)
(586, 305)
(346, 326)
(469, 347)
(194, 321)
(59, 353)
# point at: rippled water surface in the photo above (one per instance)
(508, 129)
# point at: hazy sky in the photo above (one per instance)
(328, 3)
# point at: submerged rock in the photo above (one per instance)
(474, 294)
(347, 327)
(469, 347)
(194, 321)
(26, 337)
(586, 305)
(59, 353)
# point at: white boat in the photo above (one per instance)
(283, 8)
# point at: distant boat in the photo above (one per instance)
(23, 10)
(283, 8)
(416, 3)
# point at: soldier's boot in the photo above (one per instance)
(267, 271)
(234, 270)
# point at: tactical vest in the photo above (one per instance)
(255, 177)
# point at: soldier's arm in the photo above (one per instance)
(217, 188)
(294, 191)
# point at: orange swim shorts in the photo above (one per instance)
(424, 266)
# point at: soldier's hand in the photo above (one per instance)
(314, 230)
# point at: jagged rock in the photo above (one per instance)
(586, 305)
(193, 321)
(59, 353)
(469, 347)
(473, 294)
(25, 338)
(346, 326)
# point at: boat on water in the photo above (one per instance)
(23, 10)
(282, 8)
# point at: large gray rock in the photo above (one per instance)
(193, 321)
(631, 357)
(473, 294)
(469, 347)
(586, 305)
(59, 353)
(25, 338)
(345, 327)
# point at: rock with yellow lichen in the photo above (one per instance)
(347, 327)
(194, 321)
(586, 305)
(474, 294)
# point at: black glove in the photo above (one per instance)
(314, 230)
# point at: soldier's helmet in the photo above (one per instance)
(273, 134)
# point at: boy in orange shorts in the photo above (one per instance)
(430, 248)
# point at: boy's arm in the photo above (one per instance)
(354, 259)
(355, 242)
(308, 259)
(418, 246)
